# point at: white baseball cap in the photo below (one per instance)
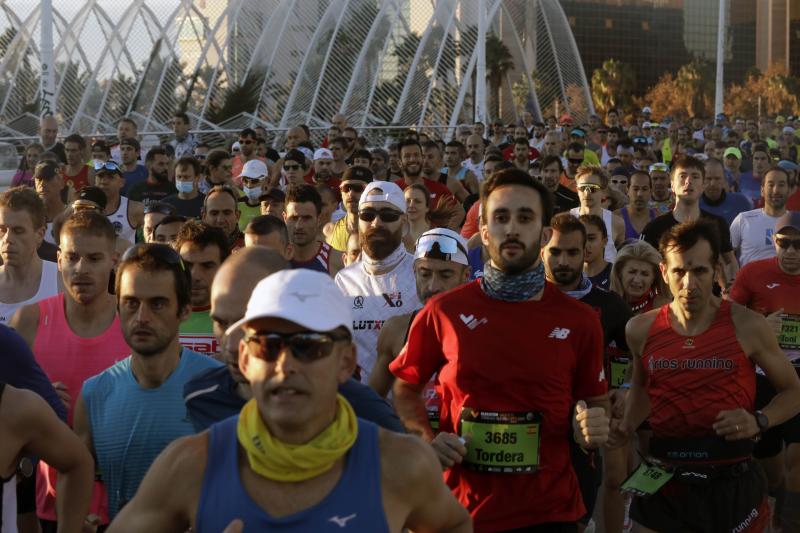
(322, 153)
(442, 243)
(390, 192)
(788, 129)
(255, 168)
(646, 110)
(306, 152)
(308, 298)
(647, 126)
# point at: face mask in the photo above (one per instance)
(252, 193)
(184, 186)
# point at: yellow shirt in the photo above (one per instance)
(339, 235)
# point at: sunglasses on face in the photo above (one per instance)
(575, 161)
(386, 215)
(357, 188)
(588, 188)
(784, 243)
(306, 346)
(291, 167)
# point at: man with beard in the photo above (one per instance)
(75, 334)
(131, 411)
(323, 169)
(411, 163)
(453, 156)
(157, 185)
(124, 214)
(202, 250)
(564, 199)
(563, 261)
(751, 231)
(303, 208)
(638, 212)
(500, 422)
(382, 284)
(440, 264)
(354, 181)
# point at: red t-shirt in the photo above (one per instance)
(763, 287)
(793, 204)
(436, 189)
(508, 153)
(79, 180)
(471, 223)
(690, 379)
(490, 355)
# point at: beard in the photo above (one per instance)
(516, 265)
(413, 170)
(160, 176)
(379, 243)
(149, 347)
(566, 275)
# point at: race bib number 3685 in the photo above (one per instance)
(501, 442)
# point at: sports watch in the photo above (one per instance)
(761, 421)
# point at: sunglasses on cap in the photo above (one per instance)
(305, 346)
(386, 215)
(659, 167)
(110, 166)
(589, 187)
(354, 187)
(160, 252)
(85, 205)
(159, 207)
(438, 247)
(784, 243)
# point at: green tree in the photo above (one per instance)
(612, 85)
(696, 80)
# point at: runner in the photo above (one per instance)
(662, 198)
(334, 470)
(254, 180)
(354, 181)
(125, 215)
(157, 185)
(440, 264)
(303, 207)
(592, 185)
(24, 278)
(189, 200)
(202, 249)
(30, 428)
(694, 376)
(638, 212)
(411, 163)
(563, 259)
(512, 468)
(270, 232)
(221, 210)
(153, 215)
(771, 287)
(716, 199)
(168, 229)
(77, 173)
(594, 262)
(49, 183)
(273, 202)
(75, 334)
(131, 411)
(635, 277)
(382, 284)
(751, 231)
(353, 253)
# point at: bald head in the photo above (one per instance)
(339, 120)
(48, 130)
(294, 136)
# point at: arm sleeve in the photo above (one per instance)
(422, 355)
(590, 379)
(19, 369)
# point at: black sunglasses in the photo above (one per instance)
(784, 243)
(160, 252)
(291, 167)
(159, 207)
(306, 346)
(355, 187)
(386, 215)
(575, 161)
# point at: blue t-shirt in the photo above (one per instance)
(19, 369)
(728, 206)
(750, 186)
(133, 177)
(211, 397)
(131, 425)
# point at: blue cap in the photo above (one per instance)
(788, 165)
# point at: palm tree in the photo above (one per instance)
(498, 62)
(612, 85)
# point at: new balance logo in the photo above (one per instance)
(559, 333)
(773, 285)
(471, 322)
(341, 522)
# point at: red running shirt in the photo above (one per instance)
(691, 379)
(509, 357)
(437, 190)
(763, 287)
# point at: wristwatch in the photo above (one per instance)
(761, 421)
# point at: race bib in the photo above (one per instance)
(501, 442)
(646, 480)
(789, 338)
(619, 369)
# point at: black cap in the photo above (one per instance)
(93, 194)
(358, 173)
(297, 156)
(131, 142)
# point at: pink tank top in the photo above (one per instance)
(71, 359)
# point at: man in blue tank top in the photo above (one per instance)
(296, 458)
(131, 411)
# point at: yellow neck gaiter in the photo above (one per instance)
(279, 461)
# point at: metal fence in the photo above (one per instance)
(277, 63)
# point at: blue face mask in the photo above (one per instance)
(184, 186)
(252, 193)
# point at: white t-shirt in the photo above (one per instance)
(475, 168)
(375, 299)
(48, 286)
(751, 235)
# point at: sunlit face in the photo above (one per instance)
(203, 263)
(775, 189)
(85, 263)
(787, 249)
(18, 237)
(595, 244)
(590, 190)
(760, 163)
(639, 191)
(302, 221)
(687, 183)
(221, 212)
(660, 185)
(690, 275)
(49, 190)
(431, 161)
(637, 279)
(435, 276)
(166, 233)
(416, 204)
(151, 220)
(48, 131)
(74, 154)
(563, 257)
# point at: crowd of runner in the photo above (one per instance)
(500, 330)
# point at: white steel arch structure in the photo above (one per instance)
(277, 63)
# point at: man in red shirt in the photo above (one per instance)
(411, 164)
(694, 377)
(771, 287)
(513, 355)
